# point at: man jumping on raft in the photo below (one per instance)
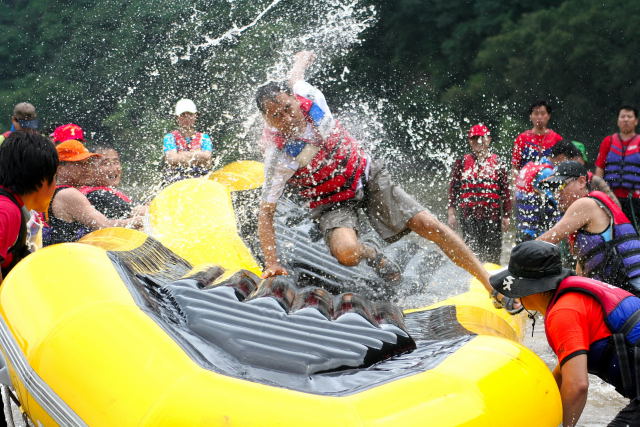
(305, 147)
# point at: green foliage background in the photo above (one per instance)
(116, 68)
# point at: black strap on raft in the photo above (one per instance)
(20, 249)
(633, 211)
(621, 347)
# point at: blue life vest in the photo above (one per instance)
(535, 213)
(616, 358)
(616, 261)
(622, 167)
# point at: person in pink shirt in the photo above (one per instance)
(535, 143)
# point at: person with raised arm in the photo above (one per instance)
(306, 148)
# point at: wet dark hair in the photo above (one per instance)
(268, 92)
(25, 160)
(540, 103)
(628, 108)
(566, 147)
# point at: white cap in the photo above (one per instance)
(185, 106)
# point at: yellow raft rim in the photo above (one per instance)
(81, 351)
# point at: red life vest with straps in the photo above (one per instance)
(183, 145)
(479, 183)
(524, 181)
(612, 358)
(333, 173)
(88, 189)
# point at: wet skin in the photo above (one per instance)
(284, 114)
(109, 169)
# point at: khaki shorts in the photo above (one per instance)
(386, 204)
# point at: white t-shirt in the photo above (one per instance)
(280, 165)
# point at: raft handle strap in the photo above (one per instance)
(12, 396)
(636, 360)
(623, 359)
(633, 211)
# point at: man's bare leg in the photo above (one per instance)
(348, 250)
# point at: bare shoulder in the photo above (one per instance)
(69, 194)
(583, 204)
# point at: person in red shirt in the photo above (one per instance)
(28, 167)
(479, 192)
(591, 326)
(618, 162)
(535, 143)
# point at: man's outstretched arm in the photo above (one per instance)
(574, 219)
(301, 61)
(267, 237)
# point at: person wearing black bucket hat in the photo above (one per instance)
(605, 243)
(591, 326)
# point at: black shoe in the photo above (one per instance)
(384, 267)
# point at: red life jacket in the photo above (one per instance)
(615, 363)
(183, 145)
(524, 181)
(88, 189)
(479, 184)
(333, 173)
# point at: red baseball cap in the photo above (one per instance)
(478, 130)
(67, 132)
(73, 151)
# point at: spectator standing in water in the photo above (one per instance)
(24, 118)
(307, 148)
(618, 162)
(606, 245)
(535, 143)
(71, 215)
(536, 209)
(592, 327)
(187, 153)
(28, 166)
(479, 192)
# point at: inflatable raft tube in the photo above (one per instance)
(126, 332)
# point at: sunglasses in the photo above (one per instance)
(562, 186)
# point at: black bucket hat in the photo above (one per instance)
(535, 266)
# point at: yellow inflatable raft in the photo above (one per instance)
(121, 329)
